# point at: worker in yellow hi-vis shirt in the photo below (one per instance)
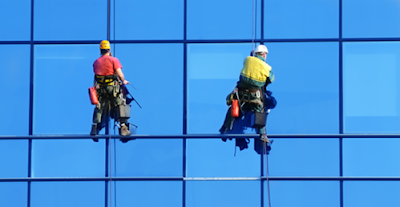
(251, 91)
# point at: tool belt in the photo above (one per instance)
(250, 95)
(105, 80)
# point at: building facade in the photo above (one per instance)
(334, 128)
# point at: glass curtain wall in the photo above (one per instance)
(336, 74)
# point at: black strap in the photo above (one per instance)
(105, 78)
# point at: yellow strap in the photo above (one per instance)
(108, 84)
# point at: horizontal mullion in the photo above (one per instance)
(345, 178)
(51, 179)
(271, 178)
(43, 42)
(201, 136)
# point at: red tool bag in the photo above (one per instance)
(235, 108)
(93, 95)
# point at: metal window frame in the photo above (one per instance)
(184, 135)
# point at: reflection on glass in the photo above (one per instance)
(16, 20)
(208, 19)
(68, 158)
(371, 157)
(215, 158)
(371, 193)
(370, 87)
(306, 87)
(304, 193)
(149, 193)
(63, 74)
(70, 19)
(13, 158)
(13, 194)
(304, 157)
(67, 194)
(358, 20)
(315, 19)
(222, 193)
(152, 157)
(156, 71)
(15, 86)
(213, 70)
(149, 19)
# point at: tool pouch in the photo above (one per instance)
(258, 119)
(123, 112)
(93, 95)
(117, 88)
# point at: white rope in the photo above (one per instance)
(252, 27)
(266, 172)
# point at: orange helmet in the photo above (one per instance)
(104, 44)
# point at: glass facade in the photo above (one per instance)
(335, 129)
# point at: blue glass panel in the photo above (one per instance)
(303, 193)
(67, 194)
(70, 20)
(215, 158)
(306, 87)
(371, 193)
(16, 16)
(150, 157)
(13, 194)
(14, 158)
(15, 89)
(213, 70)
(371, 157)
(208, 72)
(371, 18)
(68, 158)
(149, 19)
(210, 19)
(222, 193)
(301, 19)
(370, 79)
(149, 194)
(159, 83)
(62, 76)
(304, 157)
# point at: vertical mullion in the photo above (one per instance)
(31, 73)
(184, 131)
(262, 155)
(340, 102)
(107, 127)
(107, 130)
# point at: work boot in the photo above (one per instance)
(94, 132)
(124, 131)
(264, 138)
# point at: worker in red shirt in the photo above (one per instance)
(108, 77)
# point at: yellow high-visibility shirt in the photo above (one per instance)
(255, 71)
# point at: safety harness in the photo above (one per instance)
(250, 95)
(105, 79)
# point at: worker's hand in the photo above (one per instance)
(125, 82)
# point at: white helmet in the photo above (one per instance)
(261, 49)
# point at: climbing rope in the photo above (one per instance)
(115, 169)
(266, 173)
(252, 27)
(109, 152)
